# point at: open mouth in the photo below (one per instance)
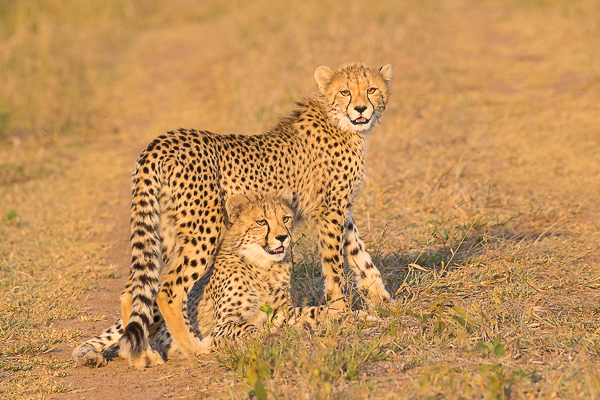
(278, 250)
(360, 121)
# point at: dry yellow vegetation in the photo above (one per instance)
(481, 205)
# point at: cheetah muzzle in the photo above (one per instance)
(277, 251)
(360, 121)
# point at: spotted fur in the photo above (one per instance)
(182, 179)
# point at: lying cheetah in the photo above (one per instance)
(252, 269)
(182, 179)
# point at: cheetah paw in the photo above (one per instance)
(204, 347)
(366, 316)
(88, 356)
(383, 300)
(148, 358)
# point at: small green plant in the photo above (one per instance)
(268, 310)
(10, 215)
(438, 320)
(496, 347)
(254, 380)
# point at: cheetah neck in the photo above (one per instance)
(327, 153)
(314, 124)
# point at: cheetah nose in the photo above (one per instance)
(360, 109)
(281, 238)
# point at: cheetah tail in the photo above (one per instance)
(146, 252)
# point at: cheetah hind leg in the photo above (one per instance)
(165, 344)
(126, 300)
(139, 355)
(367, 275)
(179, 328)
(149, 356)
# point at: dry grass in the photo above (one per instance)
(481, 204)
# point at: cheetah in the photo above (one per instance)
(183, 178)
(252, 269)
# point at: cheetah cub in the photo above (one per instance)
(252, 269)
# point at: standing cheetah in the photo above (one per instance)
(252, 269)
(182, 179)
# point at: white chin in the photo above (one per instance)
(275, 257)
(258, 257)
(361, 127)
(346, 125)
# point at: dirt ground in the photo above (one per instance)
(154, 86)
(177, 379)
(491, 138)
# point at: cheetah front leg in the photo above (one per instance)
(367, 275)
(331, 226)
(312, 315)
(230, 331)
(91, 352)
(315, 315)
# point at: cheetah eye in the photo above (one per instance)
(345, 93)
(286, 219)
(261, 222)
(371, 90)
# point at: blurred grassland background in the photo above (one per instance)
(480, 205)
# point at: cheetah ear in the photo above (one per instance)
(234, 205)
(386, 72)
(289, 197)
(323, 77)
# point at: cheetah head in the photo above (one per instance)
(261, 226)
(355, 94)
